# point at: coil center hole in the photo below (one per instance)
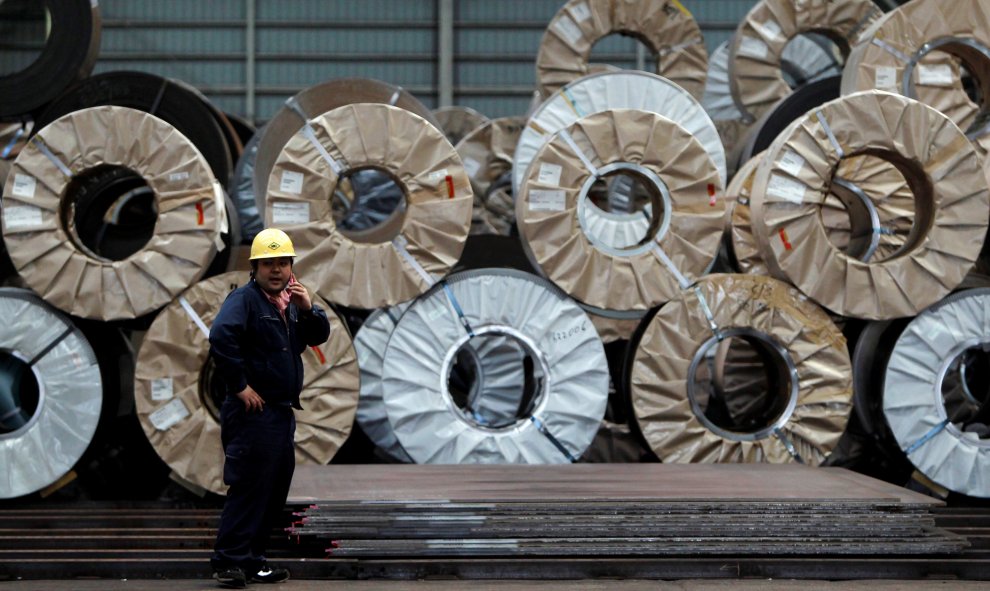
(966, 391)
(623, 209)
(24, 28)
(110, 212)
(19, 393)
(369, 205)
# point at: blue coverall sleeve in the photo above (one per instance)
(225, 341)
(314, 327)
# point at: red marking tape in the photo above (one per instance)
(319, 354)
(711, 195)
(783, 238)
(200, 217)
(450, 187)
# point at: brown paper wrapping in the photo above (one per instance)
(755, 75)
(13, 137)
(613, 329)
(874, 62)
(742, 246)
(634, 282)
(664, 26)
(487, 155)
(188, 198)
(951, 213)
(671, 339)
(435, 223)
(175, 350)
(4, 169)
(457, 122)
(319, 99)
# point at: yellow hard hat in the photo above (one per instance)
(271, 243)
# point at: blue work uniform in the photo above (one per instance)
(252, 344)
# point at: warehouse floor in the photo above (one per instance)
(430, 585)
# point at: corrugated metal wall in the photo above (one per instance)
(297, 43)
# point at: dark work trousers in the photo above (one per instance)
(258, 465)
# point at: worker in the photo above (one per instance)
(256, 343)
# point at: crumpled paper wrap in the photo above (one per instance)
(880, 59)
(4, 169)
(755, 75)
(457, 122)
(191, 214)
(434, 225)
(913, 402)
(664, 26)
(659, 375)
(316, 100)
(169, 394)
(547, 210)
(951, 205)
(612, 329)
(487, 156)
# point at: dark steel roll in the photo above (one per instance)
(174, 102)
(73, 42)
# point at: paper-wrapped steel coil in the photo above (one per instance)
(487, 156)
(549, 209)
(755, 70)
(568, 357)
(811, 361)
(913, 402)
(44, 179)
(458, 122)
(314, 101)
(426, 239)
(666, 27)
(173, 101)
(173, 394)
(69, 54)
(615, 90)
(941, 167)
(918, 50)
(45, 353)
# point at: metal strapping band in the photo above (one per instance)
(891, 50)
(36, 140)
(927, 437)
(569, 98)
(399, 243)
(831, 137)
(194, 316)
(158, 97)
(335, 166)
(706, 309)
(457, 308)
(51, 346)
(780, 435)
(13, 141)
(542, 428)
(577, 151)
(681, 279)
(395, 96)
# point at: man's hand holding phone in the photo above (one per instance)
(298, 295)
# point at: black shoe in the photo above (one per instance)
(268, 574)
(232, 578)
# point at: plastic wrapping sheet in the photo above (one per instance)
(889, 195)
(549, 210)
(241, 189)
(170, 389)
(615, 90)
(947, 180)
(908, 52)
(38, 450)
(458, 122)
(665, 27)
(569, 355)
(755, 56)
(191, 213)
(808, 341)
(913, 405)
(487, 154)
(430, 232)
(315, 101)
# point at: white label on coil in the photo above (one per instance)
(785, 188)
(22, 216)
(568, 29)
(581, 12)
(169, 415)
(791, 162)
(753, 47)
(549, 174)
(291, 182)
(161, 389)
(178, 176)
(24, 185)
(285, 212)
(770, 28)
(544, 200)
(437, 176)
(938, 75)
(886, 78)
(471, 166)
